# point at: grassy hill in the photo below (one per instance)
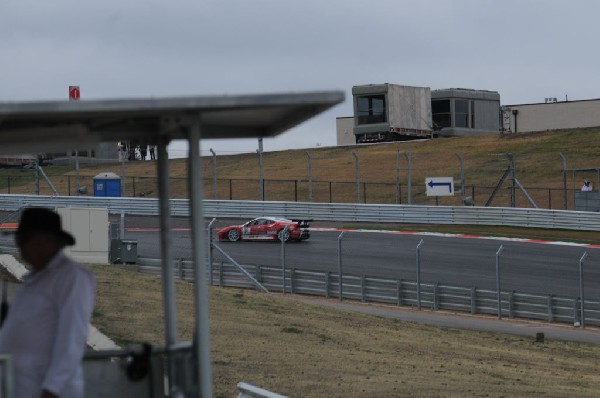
(538, 167)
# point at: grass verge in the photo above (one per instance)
(303, 350)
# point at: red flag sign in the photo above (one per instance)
(74, 93)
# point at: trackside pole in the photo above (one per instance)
(498, 281)
(284, 232)
(199, 257)
(167, 257)
(581, 260)
(419, 273)
(340, 265)
(210, 251)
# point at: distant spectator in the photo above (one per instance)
(152, 155)
(143, 151)
(587, 186)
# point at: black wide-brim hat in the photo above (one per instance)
(39, 219)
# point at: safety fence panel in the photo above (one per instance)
(400, 292)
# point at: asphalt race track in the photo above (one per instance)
(537, 268)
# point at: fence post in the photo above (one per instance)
(399, 290)
(581, 295)
(473, 300)
(398, 201)
(310, 187)
(210, 251)
(550, 314)
(214, 170)
(292, 271)
(435, 296)
(327, 279)
(357, 176)
(330, 192)
(419, 274)
(340, 294)
(259, 274)
(408, 156)
(564, 175)
(180, 267)
(230, 190)
(282, 238)
(362, 288)
(498, 281)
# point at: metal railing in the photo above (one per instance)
(400, 292)
(338, 212)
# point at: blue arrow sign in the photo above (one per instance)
(440, 184)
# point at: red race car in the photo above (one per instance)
(266, 228)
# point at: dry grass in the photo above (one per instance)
(303, 350)
(537, 163)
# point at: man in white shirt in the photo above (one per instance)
(46, 328)
(587, 186)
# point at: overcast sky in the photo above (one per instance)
(526, 50)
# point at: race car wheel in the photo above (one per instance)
(233, 235)
(283, 235)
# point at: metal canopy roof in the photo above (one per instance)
(59, 125)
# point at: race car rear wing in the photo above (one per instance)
(302, 223)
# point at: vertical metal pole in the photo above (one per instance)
(408, 156)
(357, 176)
(122, 226)
(37, 177)
(581, 295)
(214, 172)
(419, 274)
(283, 233)
(210, 251)
(513, 187)
(462, 174)
(498, 281)
(340, 277)
(167, 257)
(398, 176)
(564, 173)
(77, 181)
(199, 258)
(260, 169)
(123, 158)
(310, 187)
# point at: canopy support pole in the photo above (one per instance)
(199, 255)
(168, 281)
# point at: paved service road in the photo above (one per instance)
(525, 267)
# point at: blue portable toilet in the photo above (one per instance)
(107, 185)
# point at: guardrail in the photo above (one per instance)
(400, 292)
(339, 212)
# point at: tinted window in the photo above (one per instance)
(371, 109)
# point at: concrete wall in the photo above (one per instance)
(344, 128)
(552, 116)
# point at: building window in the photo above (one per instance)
(440, 110)
(371, 109)
(461, 113)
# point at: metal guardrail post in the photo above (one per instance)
(473, 300)
(210, 251)
(340, 277)
(419, 273)
(398, 200)
(399, 292)
(284, 232)
(498, 281)
(581, 295)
